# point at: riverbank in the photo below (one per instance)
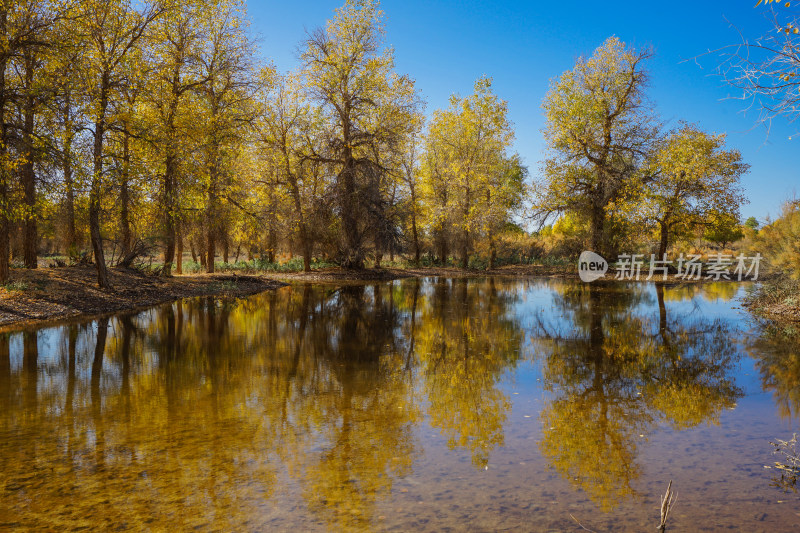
(57, 293)
(65, 292)
(390, 273)
(777, 298)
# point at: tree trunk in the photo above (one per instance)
(306, 251)
(31, 240)
(598, 225)
(179, 251)
(201, 249)
(225, 246)
(465, 249)
(352, 255)
(170, 171)
(5, 226)
(66, 167)
(414, 234)
(211, 251)
(95, 190)
(305, 240)
(465, 235)
(124, 197)
(662, 247)
(211, 221)
(492, 252)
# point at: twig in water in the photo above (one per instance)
(667, 501)
(584, 527)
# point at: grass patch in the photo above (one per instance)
(223, 286)
(257, 265)
(16, 286)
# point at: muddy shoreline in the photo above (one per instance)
(48, 294)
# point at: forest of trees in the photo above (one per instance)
(140, 128)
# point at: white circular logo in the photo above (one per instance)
(591, 266)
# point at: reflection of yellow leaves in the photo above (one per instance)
(464, 344)
(616, 374)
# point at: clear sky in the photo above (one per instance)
(446, 45)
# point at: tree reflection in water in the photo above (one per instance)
(468, 339)
(616, 373)
(228, 412)
(776, 350)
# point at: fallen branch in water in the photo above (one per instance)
(667, 501)
(582, 526)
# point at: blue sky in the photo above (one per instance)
(446, 45)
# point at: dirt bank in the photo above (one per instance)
(55, 293)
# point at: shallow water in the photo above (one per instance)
(426, 405)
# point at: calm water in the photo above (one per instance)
(430, 405)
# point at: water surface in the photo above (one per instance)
(421, 404)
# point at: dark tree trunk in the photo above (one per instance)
(66, 166)
(443, 249)
(352, 254)
(5, 226)
(124, 198)
(306, 252)
(225, 247)
(414, 234)
(662, 246)
(201, 242)
(211, 222)
(95, 190)
(598, 229)
(465, 249)
(31, 240)
(272, 242)
(465, 234)
(305, 239)
(170, 214)
(179, 250)
(211, 251)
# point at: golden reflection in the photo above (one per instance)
(192, 413)
(615, 374)
(776, 350)
(303, 407)
(467, 339)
